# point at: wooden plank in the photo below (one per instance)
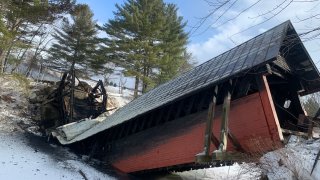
(269, 109)
(211, 111)
(297, 133)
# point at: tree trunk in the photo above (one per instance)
(145, 76)
(1, 61)
(136, 87)
(6, 57)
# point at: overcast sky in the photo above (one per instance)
(212, 38)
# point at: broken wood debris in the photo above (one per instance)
(58, 108)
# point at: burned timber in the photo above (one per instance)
(239, 103)
(69, 102)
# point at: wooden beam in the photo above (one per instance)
(297, 133)
(167, 117)
(215, 140)
(159, 116)
(128, 128)
(205, 156)
(225, 118)
(269, 109)
(122, 128)
(135, 127)
(244, 87)
(201, 101)
(211, 112)
(114, 133)
(179, 108)
(109, 134)
(235, 142)
(149, 119)
(143, 122)
(189, 108)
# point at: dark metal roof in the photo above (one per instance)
(255, 52)
(241, 58)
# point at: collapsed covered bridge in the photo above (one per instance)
(241, 101)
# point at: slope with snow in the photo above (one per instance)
(292, 162)
(29, 156)
(19, 160)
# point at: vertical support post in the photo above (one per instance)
(62, 109)
(73, 80)
(212, 108)
(225, 119)
(205, 156)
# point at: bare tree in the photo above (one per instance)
(219, 10)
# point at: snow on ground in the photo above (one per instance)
(237, 171)
(116, 98)
(292, 162)
(29, 156)
(25, 156)
(19, 160)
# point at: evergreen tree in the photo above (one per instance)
(146, 38)
(76, 42)
(21, 19)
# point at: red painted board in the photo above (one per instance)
(177, 142)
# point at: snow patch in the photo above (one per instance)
(237, 171)
(20, 161)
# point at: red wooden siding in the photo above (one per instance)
(252, 121)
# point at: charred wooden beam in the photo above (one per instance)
(73, 81)
(244, 87)
(60, 98)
